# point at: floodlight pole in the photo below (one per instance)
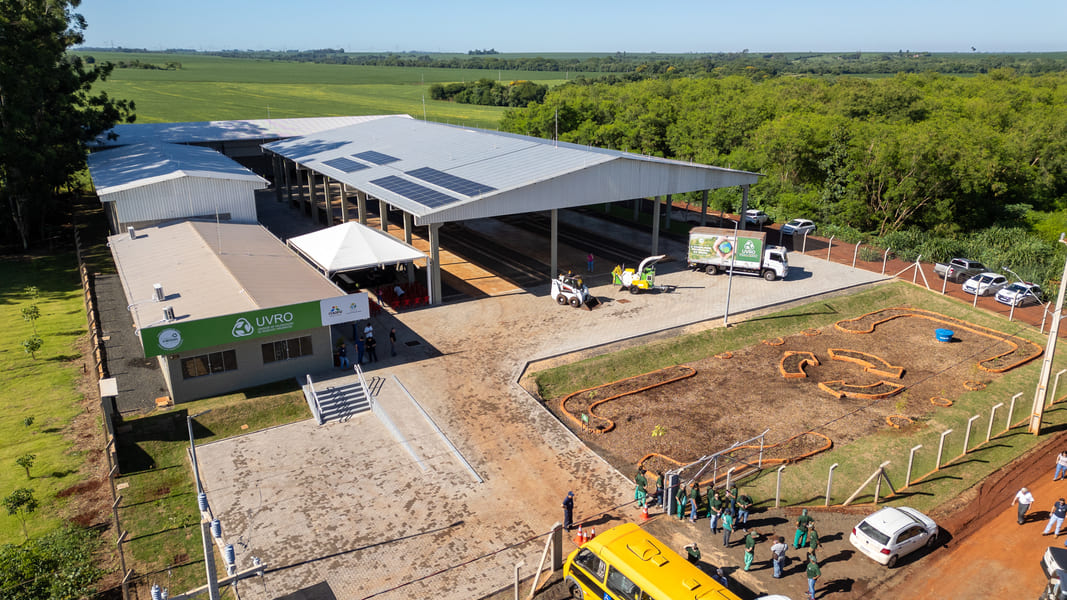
(730, 281)
(1038, 411)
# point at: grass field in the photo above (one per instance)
(213, 88)
(805, 482)
(43, 389)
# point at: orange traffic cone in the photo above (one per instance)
(592, 533)
(580, 539)
(644, 512)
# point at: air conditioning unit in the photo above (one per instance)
(157, 290)
(168, 313)
(132, 231)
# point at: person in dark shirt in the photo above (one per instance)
(372, 352)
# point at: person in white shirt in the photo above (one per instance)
(1024, 499)
(1061, 466)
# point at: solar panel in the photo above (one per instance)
(451, 182)
(376, 157)
(345, 165)
(413, 191)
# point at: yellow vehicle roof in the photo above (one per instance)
(663, 572)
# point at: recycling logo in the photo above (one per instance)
(242, 328)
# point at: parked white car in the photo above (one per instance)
(756, 217)
(893, 532)
(985, 284)
(1019, 293)
(798, 227)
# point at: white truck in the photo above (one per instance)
(714, 249)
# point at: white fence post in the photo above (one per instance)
(829, 247)
(885, 259)
(941, 448)
(992, 415)
(1011, 410)
(911, 461)
(1055, 385)
(856, 253)
(778, 487)
(829, 483)
(967, 436)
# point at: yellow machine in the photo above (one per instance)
(642, 279)
(626, 563)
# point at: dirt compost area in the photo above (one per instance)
(676, 415)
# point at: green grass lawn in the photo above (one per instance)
(805, 482)
(210, 88)
(43, 389)
(159, 507)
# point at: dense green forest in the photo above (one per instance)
(486, 92)
(912, 155)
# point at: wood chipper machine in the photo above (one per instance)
(643, 279)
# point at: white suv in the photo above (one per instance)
(893, 532)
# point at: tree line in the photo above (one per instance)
(487, 92)
(935, 153)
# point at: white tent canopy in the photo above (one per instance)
(351, 246)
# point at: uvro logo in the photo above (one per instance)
(242, 328)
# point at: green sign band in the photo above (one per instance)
(179, 336)
(705, 247)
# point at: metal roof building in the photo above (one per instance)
(148, 183)
(235, 307)
(438, 173)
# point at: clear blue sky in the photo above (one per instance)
(580, 25)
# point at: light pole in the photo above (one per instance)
(1038, 411)
(730, 280)
(209, 553)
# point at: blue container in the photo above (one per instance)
(943, 335)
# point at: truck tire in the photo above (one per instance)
(573, 589)
(711, 270)
(561, 299)
(770, 275)
(576, 302)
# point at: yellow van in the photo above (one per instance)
(627, 563)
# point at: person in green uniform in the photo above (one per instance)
(694, 500)
(714, 509)
(813, 573)
(813, 539)
(681, 500)
(641, 491)
(692, 553)
(727, 528)
(750, 547)
(800, 538)
(744, 504)
(659, 488)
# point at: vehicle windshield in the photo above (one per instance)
(1017, 288)
(794, 223)
(873, 533)
(985, 279)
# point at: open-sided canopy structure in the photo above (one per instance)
(351, 246)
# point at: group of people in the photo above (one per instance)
(366, 345)
(727, 509)
(1024, 498)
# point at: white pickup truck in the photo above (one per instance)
(959, 269)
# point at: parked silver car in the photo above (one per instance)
(893, 532)
(798, 227)
(1019, 293)
(985, 284)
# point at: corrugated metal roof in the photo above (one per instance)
(138, 165)
(200, 132)
(210, 269)
(511, 164)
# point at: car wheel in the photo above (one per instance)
(932, 542)
(574, 590)
(769, 275)
(892, 561)
(561, 299)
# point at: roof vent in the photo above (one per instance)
(157, 291)
(133, 232)
(168, 313)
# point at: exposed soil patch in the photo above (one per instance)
(729, 401)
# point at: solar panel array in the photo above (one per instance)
(413, 191)
(345, 165)
(376, 157)
(451, 182)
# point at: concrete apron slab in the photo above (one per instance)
(345, 503)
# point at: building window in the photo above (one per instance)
(209, 364)
(287, 349)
